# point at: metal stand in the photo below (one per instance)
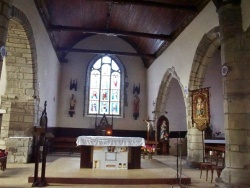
(178, 135)
(40, 146)
(35, 180)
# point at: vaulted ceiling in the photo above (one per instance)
(150, 26)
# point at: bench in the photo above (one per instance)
(3, 159)
(63, 144)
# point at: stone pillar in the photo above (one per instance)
(5, 10)
(19, 149)
(235, 53)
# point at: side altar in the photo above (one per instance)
(108, 152)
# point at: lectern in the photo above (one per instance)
(40, 143)
(178, 135)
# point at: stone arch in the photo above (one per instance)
(205, 50)
(20, 99)
(209, 43)
(163, 92)
(20, 17)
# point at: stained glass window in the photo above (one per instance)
(105, 87)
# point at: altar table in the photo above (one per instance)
(87, 143)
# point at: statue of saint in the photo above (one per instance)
(150, 129)
(72, 106)
(136, 106)
(164, 131)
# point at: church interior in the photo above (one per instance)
(123, 92)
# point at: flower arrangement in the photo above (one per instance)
(148, 150)
(165, 136)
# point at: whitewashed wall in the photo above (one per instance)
(180, 53)
(76, 69)
(213, 79)
(48, 64)
(176, 108)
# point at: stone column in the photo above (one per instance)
(235, 54)
(5, 10)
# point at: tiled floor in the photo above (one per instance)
(16, 175)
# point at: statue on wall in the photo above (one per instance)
(164, 131)
(73, 84)
(72, 106)
(150, 130)
(163, 134)
(136, 101)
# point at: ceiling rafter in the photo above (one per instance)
(148, 46)
(152, 4)
(79, 50)
(110, 32)
(110, 5)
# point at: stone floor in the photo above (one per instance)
(16, 175)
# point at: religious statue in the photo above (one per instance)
(164, 131)
(136, 101)
(150, 129)
(72, 106)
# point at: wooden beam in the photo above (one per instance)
(59, 28)
(153, 4)
(78, 50)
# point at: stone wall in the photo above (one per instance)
(18, 101)
(19, 149)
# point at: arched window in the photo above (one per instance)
(105, 81)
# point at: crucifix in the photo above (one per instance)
(150, 130)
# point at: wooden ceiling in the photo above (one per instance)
(150, 26)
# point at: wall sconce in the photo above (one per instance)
(224, 70)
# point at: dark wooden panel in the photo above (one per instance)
(135, 162)
(75, 132)
(86, 157)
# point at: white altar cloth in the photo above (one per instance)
(110, 141)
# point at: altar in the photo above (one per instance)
(109, 152)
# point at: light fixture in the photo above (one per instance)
(224, 70)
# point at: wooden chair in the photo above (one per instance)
(3, 159)
(208, 161)
(220, 165)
